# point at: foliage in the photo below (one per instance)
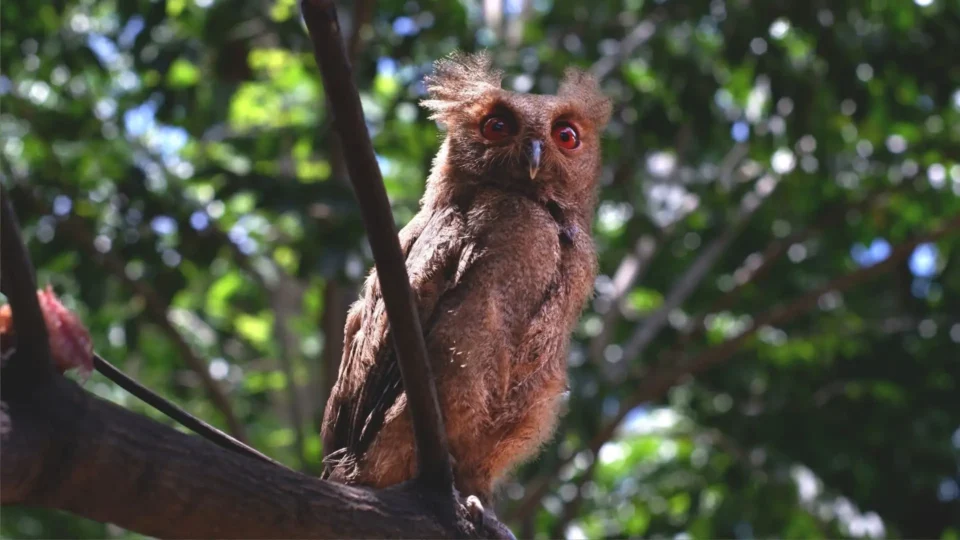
(767, 147)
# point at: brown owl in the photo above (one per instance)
(501, 263)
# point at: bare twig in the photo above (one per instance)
(691, 278)
(19, 285)
(432, 450)
(641, 33)
(631, 270)
(635, 263)
(659, 380)
(772, 253)
(177, 414)
(157, 309)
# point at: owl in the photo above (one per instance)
(501, 263)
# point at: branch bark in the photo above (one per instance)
(432, 450)
(71, 451)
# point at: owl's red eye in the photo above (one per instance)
(496, 128)
(565, 136)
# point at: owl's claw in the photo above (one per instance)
(486, 520)
(475, 507)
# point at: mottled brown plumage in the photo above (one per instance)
(501, 263)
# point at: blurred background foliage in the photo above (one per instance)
(771, 170)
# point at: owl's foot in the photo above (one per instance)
(486, 520)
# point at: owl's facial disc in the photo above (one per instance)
(534, 151)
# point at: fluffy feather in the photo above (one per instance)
(500, 264)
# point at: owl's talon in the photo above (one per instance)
(486, 520)
(475, 507)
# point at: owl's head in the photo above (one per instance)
(550, 143)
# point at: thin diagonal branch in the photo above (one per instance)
(177, 414)
(432, 450)
(641, 33)
(156, 309)
(772, 253)
(631, 269)
(644, 334)
(634, 264)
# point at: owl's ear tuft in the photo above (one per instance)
(583, 88)
(457, 80)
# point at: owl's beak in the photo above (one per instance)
(536, 148)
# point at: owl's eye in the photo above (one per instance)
(496, 128)
(565, 136)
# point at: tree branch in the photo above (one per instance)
(156, 309)
(432, 451)
(681, 290)
(772, 253)
(18, 284)
(71, 451)
(175, 413)
(337, 291)
(641, 33)
(632, 268)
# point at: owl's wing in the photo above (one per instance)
(369, 382)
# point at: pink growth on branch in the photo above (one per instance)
(70, 343)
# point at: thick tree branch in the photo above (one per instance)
(71, 451)
(432, 451)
